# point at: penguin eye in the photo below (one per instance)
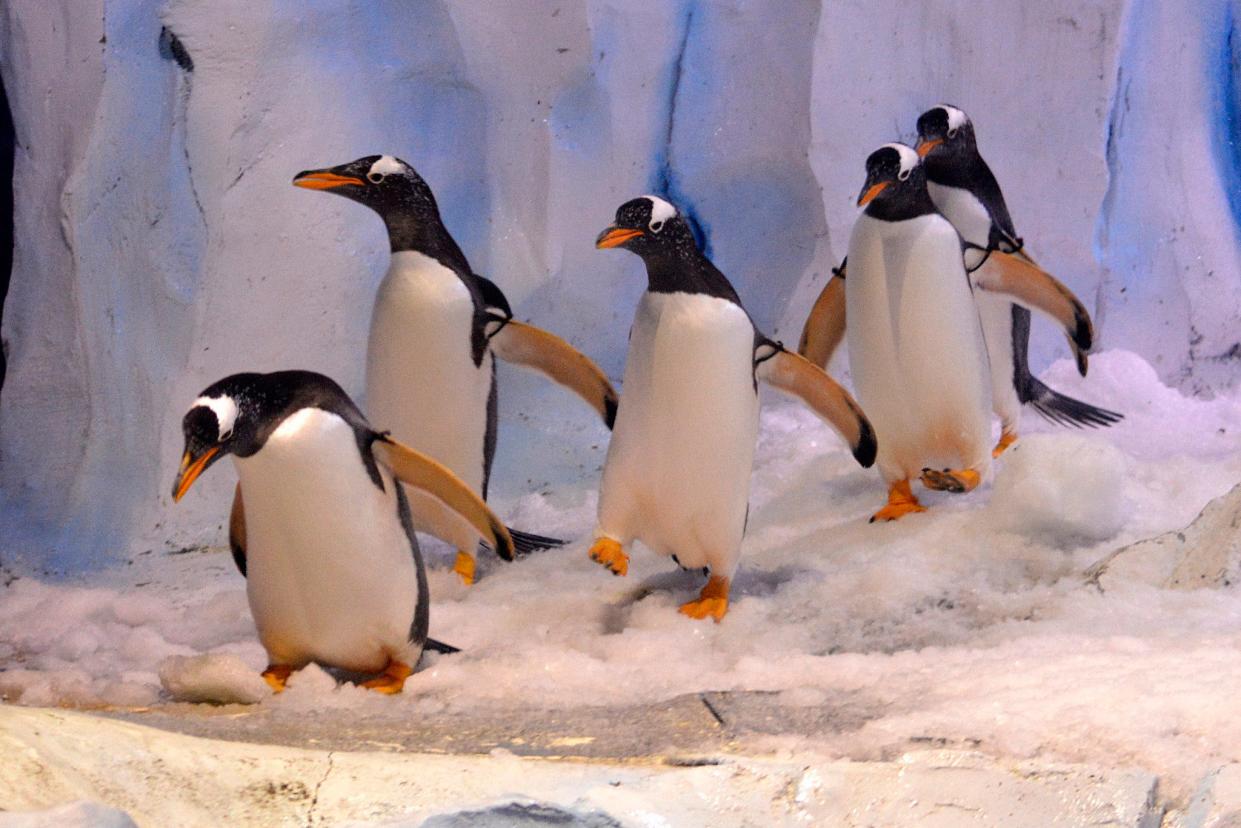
(375, 177)
(656, 226)
(952, 133)
(903, 175)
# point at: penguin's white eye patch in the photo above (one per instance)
(657, 225)
(375, 177)
(225, 410)
(903, 175)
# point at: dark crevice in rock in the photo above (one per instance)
(171, 48)
(8, 143)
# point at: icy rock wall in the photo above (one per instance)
(160, 245)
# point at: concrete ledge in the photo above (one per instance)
(48, 758)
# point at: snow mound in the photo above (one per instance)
(1061, 489)
(217, 678)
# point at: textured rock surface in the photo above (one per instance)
(164, 779)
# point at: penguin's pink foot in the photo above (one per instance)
(464, 566)
(392, 680)
(1007, 438)
(610, 555)
(712, 601)
(276, 676)
(957, 481)
(901, 502)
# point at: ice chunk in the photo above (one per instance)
(217, 678)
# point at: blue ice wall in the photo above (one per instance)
(160, 245)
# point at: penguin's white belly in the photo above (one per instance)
(331, 575)
(677, 475)
(421, 380)
(971, 219)
(915, 346)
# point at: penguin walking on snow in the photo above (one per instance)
(967, 193)
(678, 467)
(333, 570)
(435, 332)
(962, 188)
(916, 346)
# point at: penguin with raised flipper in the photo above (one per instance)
(966, 191)
(435, 331)
(333, 570)
(915, 344)
(678, 468)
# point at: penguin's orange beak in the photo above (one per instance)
(613, 236)
(924, 147)
(191, 468)
(325, 180)
(868, 196)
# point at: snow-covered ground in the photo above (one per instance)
(970, 625)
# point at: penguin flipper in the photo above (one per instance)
(428, 476)
(237, 531)
(797, 376)
(1016, 276)
(825, 326)
(532, 347)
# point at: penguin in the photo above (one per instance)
(334, 574)
(678, 466)
(964, 189)
(916, 350)
(436, 329)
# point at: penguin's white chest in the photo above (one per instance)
(966, 213)
(331, 575)
(915, 346)
(678, 468)
(421, 380)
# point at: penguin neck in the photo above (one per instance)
(908, 204)
(424, 233)
(688, 274)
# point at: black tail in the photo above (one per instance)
(524, 543)
(1066, 411)
(440, 647)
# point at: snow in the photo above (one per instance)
(972, 624)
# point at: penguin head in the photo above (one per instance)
(894, 173)
(384, 183)
(945, 130)
(220, 422)
(650, 227)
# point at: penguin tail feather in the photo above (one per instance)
(440, 647)
(1066, 411)
(524, 542)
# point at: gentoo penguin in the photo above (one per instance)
(435, 331)
(965, 191)
(333, 570)
(677, 474)
(915, 344)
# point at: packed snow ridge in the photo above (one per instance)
(974, 623)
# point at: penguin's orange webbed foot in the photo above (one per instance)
(712, 601)
(956, 481)
(609, 553)
(276, 676)
(464, 566)
(1007, 438)
(392, 680)
(901, 502)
